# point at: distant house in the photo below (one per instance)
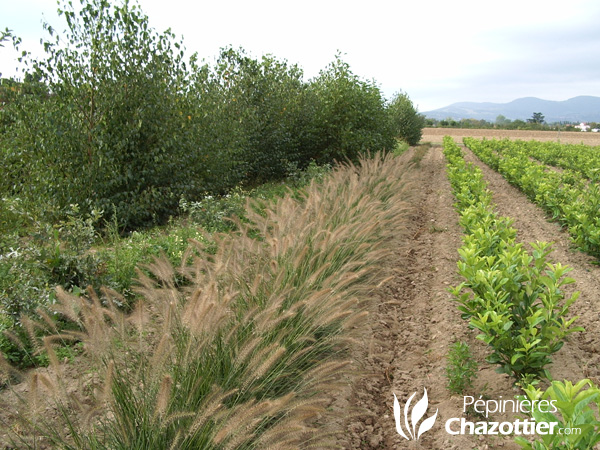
(583, 126)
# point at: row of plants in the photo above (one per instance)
(581, 158)
(238, 348)
(566, 195)
(119, 118)
(515, 299)
(72, 254)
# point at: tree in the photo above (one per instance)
(111, 135)
(537, 118)
(407, 123)
(350, 116)
(502, 121)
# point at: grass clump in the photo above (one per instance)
(238, 349)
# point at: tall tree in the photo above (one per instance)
(537, 117)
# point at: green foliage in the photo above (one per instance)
(249, 118)
(313, 172)
(577, 406)
(350, 117)
(566, 196)
(214, 213)
(401, 147)
(513, 298)
(407, 123)
(461, 368)
(517, 304)
(109, 135)
(115, 120)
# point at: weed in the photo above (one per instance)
(401, 147)
(461, 369)
(419, 153)
(437, 229)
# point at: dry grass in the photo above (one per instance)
(240, 349)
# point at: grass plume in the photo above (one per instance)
(238, 349)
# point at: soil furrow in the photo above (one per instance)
(415, 323)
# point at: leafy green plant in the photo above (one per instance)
(566, 196)
(401, 147)
(215, 213)
(113, 131)
(461, 368)
(350, 116)
(513, 298)
(518, 304)
(406, 122)
(576, 411)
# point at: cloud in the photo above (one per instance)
(439, 52)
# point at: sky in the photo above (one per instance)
(438, 52)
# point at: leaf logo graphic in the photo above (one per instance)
(416, 414)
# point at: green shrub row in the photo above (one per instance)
(567, 196)
(581, 158)
(514, 298)
(118, 119)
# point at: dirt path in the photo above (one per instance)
(415, 324)
(580, 357)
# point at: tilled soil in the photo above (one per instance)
(416, 321)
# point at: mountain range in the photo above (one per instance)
(584, 108)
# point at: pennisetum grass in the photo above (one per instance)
(240, 349)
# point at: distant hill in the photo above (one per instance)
(584, 108)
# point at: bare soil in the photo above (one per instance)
(414, 320)
(436, 135)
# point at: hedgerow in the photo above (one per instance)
(118, 119)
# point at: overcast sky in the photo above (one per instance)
(439, 52)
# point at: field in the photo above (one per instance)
(417, 320)
(436, 135)
(413, 320)
(186, 264)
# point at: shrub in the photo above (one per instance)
(406, 122)
(248, 119)
(350, 117)
(515, 299)
(577, 406)
(110, 131)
